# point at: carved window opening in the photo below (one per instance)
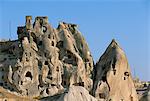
(27, 59)
(47, 91)
(86, 60)
(57, 69)
(49, 72)
(114, 63)
(104, 78)
(25, 54)
(27, 91)
(114, 71)
(12, 89)
(29, 21)
(110, 100)
(40, 64)
(21, 82)
(102, 95)
(5, 83)
(51, 78)
(81, 84)
(46, 63)
(44, 29)
(69, 56)
(52, 43)
(131, 98)
(64, 83)
(60, 44)
(126, 74)
(40, 81)
(9, 88)
(90, 64)
(29, 75)
(68, 36)
(41, 22)
(40, 43)
(53, 85)
(45, 54)
(49, 36)
(1, 84)
(145, 85)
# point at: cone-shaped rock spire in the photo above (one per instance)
(112, 79)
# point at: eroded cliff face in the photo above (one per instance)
(113, 80)
(57, 64)
(44, 61)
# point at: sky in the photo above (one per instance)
(127, 21)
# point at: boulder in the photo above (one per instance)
(74, 93)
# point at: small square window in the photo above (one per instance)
(46, 62)
(40, 42)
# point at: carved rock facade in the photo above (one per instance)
(44, 61)
(112, 79)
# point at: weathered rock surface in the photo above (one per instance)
(75, 93)
(44, 61)
(55, 64)
(112, 80)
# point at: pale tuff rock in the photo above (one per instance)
(44, 61)
(56, 64)
(112, 80)
(75, 93)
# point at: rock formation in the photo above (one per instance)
(75, 93)
(112, 79)
(44, 61)
(45, 64)
(143, 89)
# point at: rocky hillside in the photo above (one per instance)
(51, 64)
